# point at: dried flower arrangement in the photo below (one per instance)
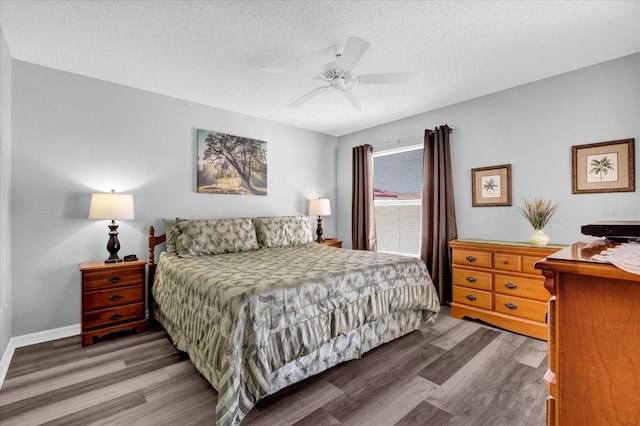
(539, 212)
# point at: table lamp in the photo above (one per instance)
(319, 207)
(111, 207)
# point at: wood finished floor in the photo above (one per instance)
(453, 373)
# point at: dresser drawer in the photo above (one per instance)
(472, 297)
(507, 262)
(528, 264)
(528, 288)
(96, 280)
(114, 297)
(472, 258)
(522, 308)
(472, 278)
(114, 315)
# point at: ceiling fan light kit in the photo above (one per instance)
(340, 76)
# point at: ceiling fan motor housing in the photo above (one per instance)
(331, 73)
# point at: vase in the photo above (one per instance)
(539, 238)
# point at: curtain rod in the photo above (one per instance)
(451, 129)
(407, 139)
(399, 140)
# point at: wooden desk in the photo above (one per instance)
(594, 340)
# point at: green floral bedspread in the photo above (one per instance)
(257, 321)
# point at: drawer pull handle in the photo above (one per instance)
(506, 262)
(115, 279)
(471, 297)
(471, 279)
(116, 316)
(511, 306)
(511, 286)
(471, 258)
(115, 297)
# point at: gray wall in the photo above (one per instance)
(75, 135)
(5, 195)
(533, 128)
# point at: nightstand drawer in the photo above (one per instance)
(472, 278)
(478, 259)
(115, 297)
(506, 262)
(113, 315)
(522, 308)
(472, 297)
(528, 288)
(116, 278)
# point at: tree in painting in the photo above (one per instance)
(231, 164)
(602, 166)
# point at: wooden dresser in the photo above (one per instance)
(594, 340)
(496, 282)
(112, 298)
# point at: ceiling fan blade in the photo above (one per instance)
(282, 71)
(352, 53)
(307, 97)
(390, 78)
(356, 100)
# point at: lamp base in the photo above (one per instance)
(113, 245)
(319, 230)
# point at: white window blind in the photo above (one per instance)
(397, 191)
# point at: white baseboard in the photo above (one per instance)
(32, 339)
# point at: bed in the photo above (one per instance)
(258, 305)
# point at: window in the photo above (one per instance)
(397, 195)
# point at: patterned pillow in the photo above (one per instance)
(206, 237)
(283, 231)
(171, 231)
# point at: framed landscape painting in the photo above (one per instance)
(229, 164)
(603, 167)
(491, 186)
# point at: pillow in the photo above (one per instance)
(207, 237)
(283, 231)
(171, 232)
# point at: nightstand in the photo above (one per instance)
(332, 242)
(113, 298)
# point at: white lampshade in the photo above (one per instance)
(111, 206)
(320, 207)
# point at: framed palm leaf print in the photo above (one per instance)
(603, 167)
(491, 186)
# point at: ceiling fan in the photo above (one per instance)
(340, 76)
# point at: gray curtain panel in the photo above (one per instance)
(363, 219)
(438, 210)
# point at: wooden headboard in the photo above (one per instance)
(153, 242)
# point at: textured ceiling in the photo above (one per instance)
(210, 51)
